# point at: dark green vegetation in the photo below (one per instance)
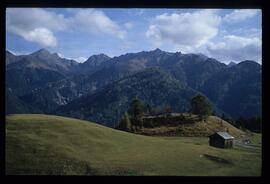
(201, 106)
(141, 119)
(137, 108)
(237, 89)
(253, 124)
(125, 124)
(41, 144)
(15, 105)
(107, 105)
(101, 88)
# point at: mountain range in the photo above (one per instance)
(101, 88)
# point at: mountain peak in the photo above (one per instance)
(98, 56)
(202, 56)
(231, 64)
(9, 53)
(41, 52)
(178, 53)
(249, 63)
(96, 60)
(157, 50)
(102, 55)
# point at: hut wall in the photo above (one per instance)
(217, 141)
(228, 143)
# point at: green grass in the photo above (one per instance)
(256, 139)
(42, 144)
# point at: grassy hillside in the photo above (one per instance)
(42, 144)
(189, 125)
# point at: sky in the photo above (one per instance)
(224, 34)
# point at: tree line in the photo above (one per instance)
(133, 118)
(200, 105)
(253, 124)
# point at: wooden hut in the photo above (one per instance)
(221, 140)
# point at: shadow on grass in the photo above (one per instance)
(218, 159)
(125, 172)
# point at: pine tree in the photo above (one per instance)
(148, 109)
(125, 123)
(201, 106)
(137, 108)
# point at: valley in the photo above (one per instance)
(134, 91)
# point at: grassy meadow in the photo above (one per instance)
(54, 145)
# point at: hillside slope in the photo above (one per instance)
(53, 145)
(190, 126)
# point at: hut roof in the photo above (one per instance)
(225, 135)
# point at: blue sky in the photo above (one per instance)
(224, 34)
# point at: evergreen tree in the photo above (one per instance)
(168, 110)
(137, 108)
(240, 122)
(148, 109)
(201, 106)
(156, 111)
(228, 119)
(253, 124)
(125, 123)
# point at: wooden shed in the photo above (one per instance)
(221, 140)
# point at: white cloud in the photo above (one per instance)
(38, 25)
(186, 30)
(236, 48)
(252, 32)
(128, 25)
(31, 18)
(240, 15)
(43, 36)
(35, 24)
(95, 21)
